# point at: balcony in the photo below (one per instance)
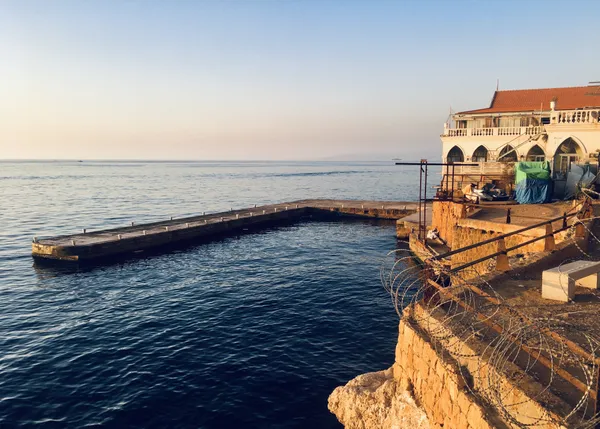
(493, 131)
(570, 117)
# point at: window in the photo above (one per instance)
(536, 154)
(506, 122)
(455, 155)
(508, 154)
(567, 153)
(564, 163)
(480, 154)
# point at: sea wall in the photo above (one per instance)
(444, 379)
(436, 383)
(369, 211)
(464, 382)
(451, 377)
(136, 239)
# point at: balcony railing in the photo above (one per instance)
(576, 117)
(492, 131)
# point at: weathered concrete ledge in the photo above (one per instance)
(111, 243)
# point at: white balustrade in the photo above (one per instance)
(482, 131)
(591, 116)
(493, 131)
(456, 132)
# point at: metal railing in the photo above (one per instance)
(501, 238)
(502, 265)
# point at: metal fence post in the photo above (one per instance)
(549, 243)
(579, 228)
(502, 259)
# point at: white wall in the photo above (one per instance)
(586, 135)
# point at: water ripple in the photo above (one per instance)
(252, 331)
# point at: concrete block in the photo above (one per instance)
(578, 269)
(590, 282)
(559, 283)
(557, 286)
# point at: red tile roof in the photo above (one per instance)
(530, 100)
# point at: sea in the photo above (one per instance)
(250, 331)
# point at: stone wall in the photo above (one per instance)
(382, 213)
(471, 231)
(445, 217)
(442, 368)
(436, 384)
(435, 375)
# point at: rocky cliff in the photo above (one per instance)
(376, 401)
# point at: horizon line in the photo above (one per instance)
(189, 160)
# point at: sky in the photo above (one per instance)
(271, 79)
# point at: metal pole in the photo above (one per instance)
(447, 181)
(597, 389)
(420, 196)
(425, 207)
(452, 194)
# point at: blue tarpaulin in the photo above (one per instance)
(534, 191)
(534, 185)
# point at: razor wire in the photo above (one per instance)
(457, 318)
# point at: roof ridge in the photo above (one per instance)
(541, 89)
(493, 99)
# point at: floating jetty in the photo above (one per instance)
(90, 246)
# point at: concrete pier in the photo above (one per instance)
(111, 243)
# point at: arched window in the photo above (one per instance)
(507, 154)
(567, 153)
(536, 153)
(455, 155)
(480, 154)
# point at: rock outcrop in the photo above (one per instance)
(438, 383)
(376, 401)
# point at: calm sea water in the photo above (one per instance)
(252, 331)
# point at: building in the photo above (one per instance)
(560, 125)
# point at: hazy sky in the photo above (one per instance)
(271, 79)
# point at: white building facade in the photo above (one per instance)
(560, 125)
